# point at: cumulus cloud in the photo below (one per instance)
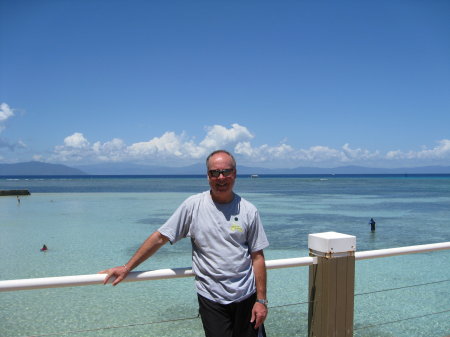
(318, 154)
(109, 151)
(12, 146)
(5, 113)
(77, 141)
(76, 148)
(352, 154)
(264, 152)
(440, 151)
(219, 136)
(170, 146)
(173, 148)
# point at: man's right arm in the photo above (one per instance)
(147, 249)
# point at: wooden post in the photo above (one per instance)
(331, 285)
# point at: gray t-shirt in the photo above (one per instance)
(223, 236)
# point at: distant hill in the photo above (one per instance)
(371, 170)
(135, 169)
(37, 168)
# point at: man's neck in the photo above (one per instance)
(225, 199)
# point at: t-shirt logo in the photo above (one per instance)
(235, 226)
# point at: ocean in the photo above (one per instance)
(90, 223)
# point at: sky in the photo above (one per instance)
(280, 84)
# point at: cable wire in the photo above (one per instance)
(113, 327)
(271, 307)
(404, 287)
(401, 320)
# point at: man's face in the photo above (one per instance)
(221, 177)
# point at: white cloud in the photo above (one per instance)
(76, 140)
(38, 157)
(441, 151)
(113, 146)
(319, 154)
(245, 149)
(264, 153)
(315, 154)
(170, 146)
(19, 145)
(5, 113)
(219, 136)
(352, 154)
(75, 148)
(109, 151)
(179, 149)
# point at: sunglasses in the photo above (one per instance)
(217, 173)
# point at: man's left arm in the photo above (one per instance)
(260, 311)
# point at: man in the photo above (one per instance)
(372, 224)
(227, 253)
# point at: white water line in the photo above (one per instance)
(91, 279)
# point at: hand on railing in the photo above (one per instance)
(119, 274)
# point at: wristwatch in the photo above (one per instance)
(262, 301)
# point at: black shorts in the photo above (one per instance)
(229, 320)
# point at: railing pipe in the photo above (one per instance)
(82, 280)
(372, 254)
(292, 262)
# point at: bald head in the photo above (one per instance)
(217, 152)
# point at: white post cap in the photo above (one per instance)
(332, 242)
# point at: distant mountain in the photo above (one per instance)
(38, 169)
(401, 170)
(134, 169)
(358, 170)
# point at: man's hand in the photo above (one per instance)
(147, 249)
(259, 314)
(119, 274)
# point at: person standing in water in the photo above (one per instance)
(372, 224)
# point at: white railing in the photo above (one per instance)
(372, 254)
(84, 280)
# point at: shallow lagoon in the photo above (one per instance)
(93, 223)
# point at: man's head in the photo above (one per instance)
(221, 168)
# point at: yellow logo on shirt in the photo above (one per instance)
(236, 228)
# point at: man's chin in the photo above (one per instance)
(222, 193)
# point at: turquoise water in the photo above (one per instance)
(93, 223)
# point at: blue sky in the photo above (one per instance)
(278, 83)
